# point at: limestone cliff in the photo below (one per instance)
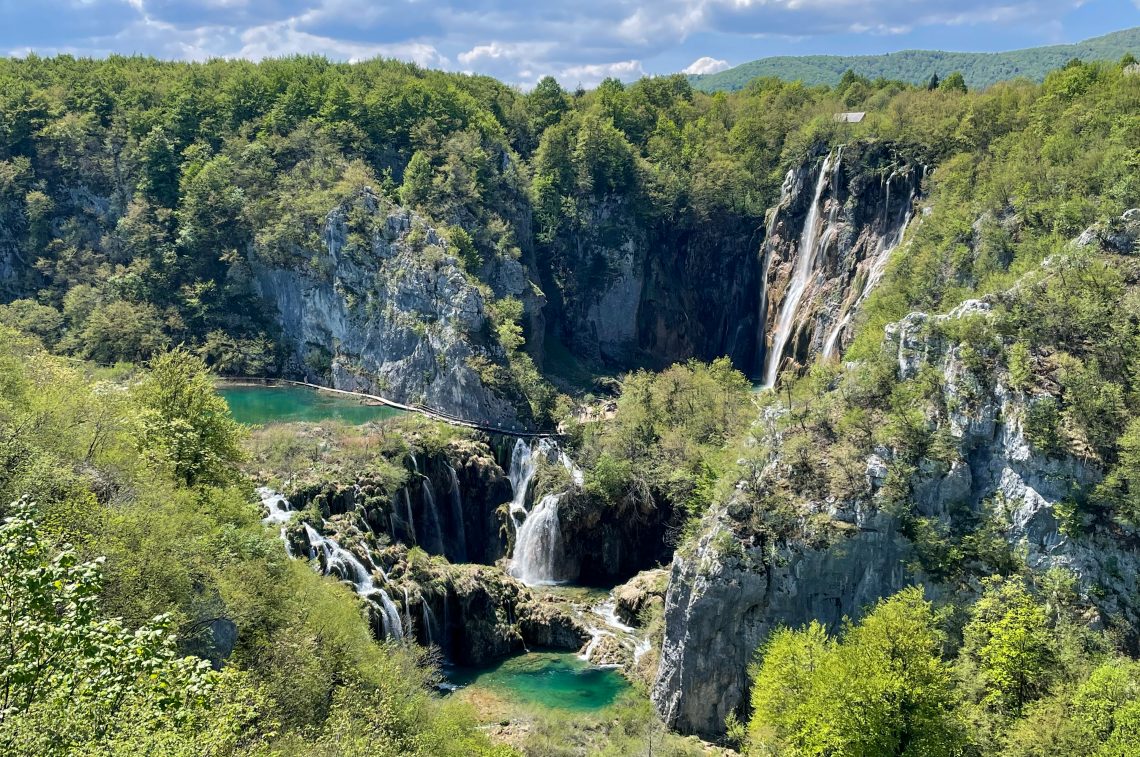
(383, 307)
(735, 584)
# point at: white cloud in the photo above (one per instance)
(275, 40)
(706, 65)
(592, 74)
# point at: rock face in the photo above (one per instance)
(827, 244)
(383, 308)
(450, 505)
(725, 598)
(729, 591)
(627, 292)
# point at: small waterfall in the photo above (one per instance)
(429, 621)
(457, 514)
(279, 512)
(804, 269)
(409, 521)
(337, 560)
(334, 559)
(390, 617)
(538, 545)
(433, 538)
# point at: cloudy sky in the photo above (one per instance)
(578, 41)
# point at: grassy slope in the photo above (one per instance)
(979, 69)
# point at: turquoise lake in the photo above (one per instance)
(556, 680)
(259, 405)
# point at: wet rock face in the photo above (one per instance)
(383, 307)
(818, 266)
(626, 292)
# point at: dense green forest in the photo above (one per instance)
(136, 196)
(917, 66)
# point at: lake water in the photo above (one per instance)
(555, 680)
(291, 404)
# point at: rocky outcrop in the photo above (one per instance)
(450, 504)
(725, 597)
(827, 244)
(384, 308)
(733, 586)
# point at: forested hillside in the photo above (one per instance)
(917, 66)
(918, 535)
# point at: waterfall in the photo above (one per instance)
(457, 513)
(279, 513)
(337, 560)
(804, 268)
(433, 538)
(334, 559)
(765, 266)
(409, 521)
(390, 617)
(538, 545)
(429, 621)
(523, 465)
(875, 271)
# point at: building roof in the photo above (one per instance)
(850, 117)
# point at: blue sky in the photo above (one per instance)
(577, 41)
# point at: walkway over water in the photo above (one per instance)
(514, 430)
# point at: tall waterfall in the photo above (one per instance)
(874, 270)
(805, 267)
(538, 545)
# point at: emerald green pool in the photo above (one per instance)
(259, 405)
(556, 680)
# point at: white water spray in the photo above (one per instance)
(804, 268)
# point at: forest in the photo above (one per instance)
(139, 199)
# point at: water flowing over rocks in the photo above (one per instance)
(828, 242)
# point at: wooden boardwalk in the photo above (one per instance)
(514, 430)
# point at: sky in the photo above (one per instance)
(579, 42)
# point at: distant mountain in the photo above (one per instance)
(915, 66)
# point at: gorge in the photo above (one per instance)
(793, 420)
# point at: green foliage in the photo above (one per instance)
(186, 423)
(1010, 642)
(914, 66)
(881, 689)
(74, 682)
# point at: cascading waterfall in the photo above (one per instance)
(804, 269)
(279, 513)
(875, 270)
(335, 560)
(539, 552)
(538, 545)
(523, 466)
(390, 617)
(457, 513)
(339, 561)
